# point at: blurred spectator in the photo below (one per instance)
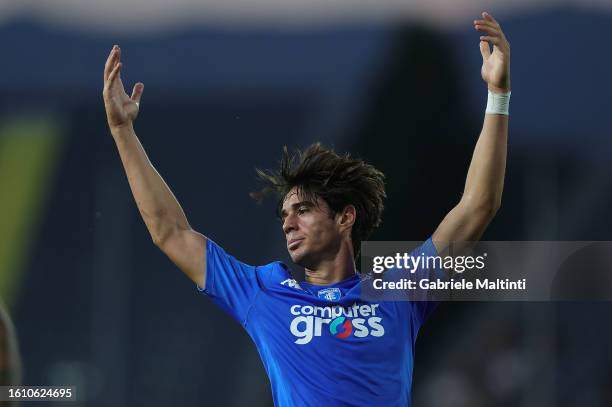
(9, 357)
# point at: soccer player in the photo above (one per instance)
(10, 360)
(320, 342)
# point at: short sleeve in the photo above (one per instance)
(425, 306)
(229, 283)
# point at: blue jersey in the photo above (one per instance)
(320, 345)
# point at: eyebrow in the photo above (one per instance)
(296, 205)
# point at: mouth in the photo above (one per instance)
(294, 243)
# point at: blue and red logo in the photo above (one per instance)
(340, 327)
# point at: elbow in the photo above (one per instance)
(493, 206)
(482, 207)
(497, 206)
(497, 202)
(491, 211)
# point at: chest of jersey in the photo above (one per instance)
(291, 319)
(322, 347)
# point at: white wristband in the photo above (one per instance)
(498, 103)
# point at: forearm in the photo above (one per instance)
(158, 207)
(484, 184)
(485, 179)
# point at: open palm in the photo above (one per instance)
(495, 65)
(121, 109)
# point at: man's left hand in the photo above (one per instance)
(495, 65)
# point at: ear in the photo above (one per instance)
(346, 218)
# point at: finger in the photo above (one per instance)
(485, 22)
(137, 92)
(485, 50)
(113, 75)
(489, 30)
(489, 17)
(492, 39)
(110, 62)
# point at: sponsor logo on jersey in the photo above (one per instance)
(291, 283)
(358, 320)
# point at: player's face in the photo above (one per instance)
(311, 231)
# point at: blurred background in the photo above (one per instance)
(95, 304)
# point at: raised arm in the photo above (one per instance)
(158, 207)
(485, 179)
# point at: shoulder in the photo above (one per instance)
(274, 274)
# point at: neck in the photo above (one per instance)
(333, 270)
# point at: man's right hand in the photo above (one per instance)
(121, 109)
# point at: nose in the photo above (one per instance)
(289, 224)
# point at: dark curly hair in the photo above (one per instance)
(319, 172)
